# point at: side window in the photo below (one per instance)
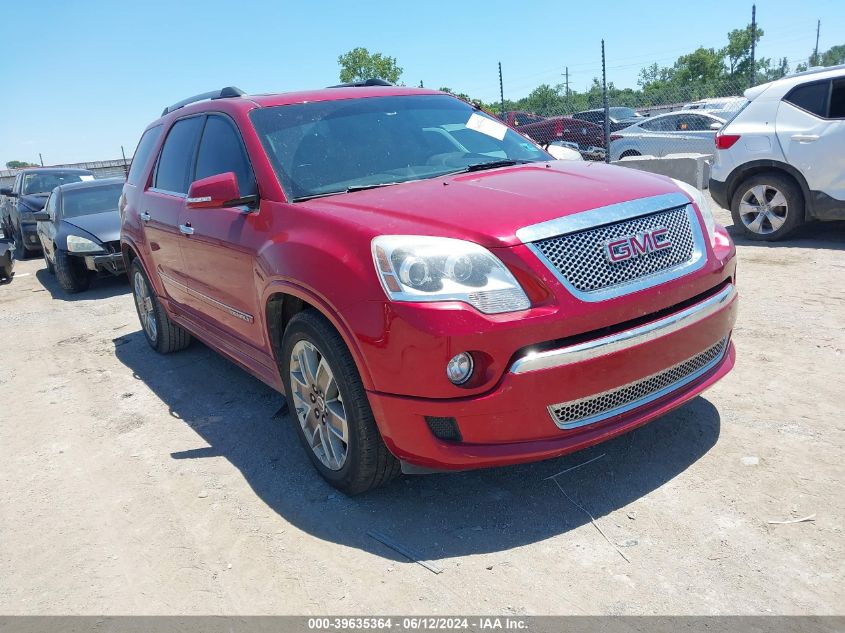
(221, 150)
(811, 97)
(653, 125)
(837, 100)
(142, 154)
(174, 163)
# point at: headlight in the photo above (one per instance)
(703, 205)
(423, 268)
(76, 244)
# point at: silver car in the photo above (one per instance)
(673, 133)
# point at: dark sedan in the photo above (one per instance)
(26, 197)
(79, 230)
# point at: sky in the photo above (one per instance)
(83, 78)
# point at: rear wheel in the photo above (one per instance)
(767, 206)
(331, 409)
(161, 333)
(630, 152)
(71, 272)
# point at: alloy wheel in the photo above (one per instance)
(763, 209)
(144, 303)
(319, 405)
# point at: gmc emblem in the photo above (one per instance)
(625, 248)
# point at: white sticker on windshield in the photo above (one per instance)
(486, 126)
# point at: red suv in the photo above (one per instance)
(430, 289)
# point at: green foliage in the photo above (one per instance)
(359, 65)
(19, 164)
(833, 56)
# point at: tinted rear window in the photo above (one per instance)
(177, 155)
(811, 97)
(142, 154)
(76, 202)
(837, 100)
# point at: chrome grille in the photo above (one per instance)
(568, 415)
(579, 259)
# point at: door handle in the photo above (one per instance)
(805, 138)
(145, 216)
(185, 229)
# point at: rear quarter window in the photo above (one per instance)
(811, 97)
(142, 154)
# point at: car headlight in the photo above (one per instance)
(425, 268)
(77, 244)
(703, 206)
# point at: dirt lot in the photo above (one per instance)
(133, 483)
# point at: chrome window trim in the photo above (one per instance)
(627, 338)
(613, 214)
(642, 401)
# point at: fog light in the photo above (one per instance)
(459, 368)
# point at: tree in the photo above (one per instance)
(833, 56)
(359, 65)
(19, 164)
(738, 50)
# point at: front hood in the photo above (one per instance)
(33, 201)
(489, 207)
(104, 226)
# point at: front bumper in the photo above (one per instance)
(112, 263)
(29, 233)
(515, 422)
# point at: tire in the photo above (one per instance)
(776, 216)
(339, 394)
(630, 152)
(161, 333)
(6, 266)
(20, 248)
(50, 268)
(71, 273)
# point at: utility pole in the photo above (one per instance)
(41, 159)
(501, 91)
(125, 164)
(753, 43)
(567, 82)
(606, 107)
(421, 84)
(816, 50)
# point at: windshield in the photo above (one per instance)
(619, 113)
(331, 146)
(46, 182)
(76, 202)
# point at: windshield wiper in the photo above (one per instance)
(349, 190)
(506, 162)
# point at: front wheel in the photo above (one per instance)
(71, 273)
(767, 206)
(20, 249)
(161, 333)
(333, 415)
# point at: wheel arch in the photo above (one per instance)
(284, 300)
(747, 170)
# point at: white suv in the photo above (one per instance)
(781, 160)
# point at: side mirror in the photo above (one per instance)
(5, 191)
(41, 216)
(220, 190)
(715, 125)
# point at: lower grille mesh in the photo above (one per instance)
(595, 408)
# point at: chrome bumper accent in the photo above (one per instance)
(601, 406)
(627, 338)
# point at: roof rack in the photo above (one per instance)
(224, 93)
(362, 84)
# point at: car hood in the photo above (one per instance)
(34, 201)
(489, 207)
(104, 226)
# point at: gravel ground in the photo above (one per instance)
(132, 483)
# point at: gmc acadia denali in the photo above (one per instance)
(429, 288)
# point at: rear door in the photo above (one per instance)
(163, 205)
(811, 131)
(221, 251)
